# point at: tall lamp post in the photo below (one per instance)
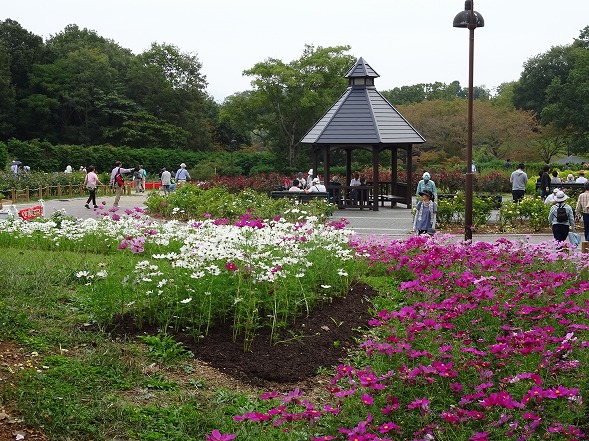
(471, 20)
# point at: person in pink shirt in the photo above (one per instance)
(91, 182)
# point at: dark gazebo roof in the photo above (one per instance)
(362, 116)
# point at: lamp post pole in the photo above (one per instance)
(471, 20)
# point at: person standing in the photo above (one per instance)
(582, 209)
(426, 183)
(143, 178)
(166, 180)
(137, 178)
(425, 214)
(182, 175)
(117, 182)
(518, 181)
(545, 182)
(561, 227)
(91, 181)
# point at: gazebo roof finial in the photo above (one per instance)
(361, 70)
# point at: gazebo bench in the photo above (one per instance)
(300, 196)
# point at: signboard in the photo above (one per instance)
(31, 212)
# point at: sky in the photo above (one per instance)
(406, 42)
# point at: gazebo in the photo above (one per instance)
(363, 119)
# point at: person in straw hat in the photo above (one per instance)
(561, 226)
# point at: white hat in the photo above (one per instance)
(426, 175)
(183, 165)
(556, 190)
(310, 171)
(560, 197)
(316, 180)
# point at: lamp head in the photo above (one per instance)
(463, 18)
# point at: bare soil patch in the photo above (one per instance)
(322, 339)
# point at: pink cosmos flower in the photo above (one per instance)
(218, 436)
(367, 399)
(231, 266)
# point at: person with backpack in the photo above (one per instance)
(137, 178)
(561, 217)
(117, 182)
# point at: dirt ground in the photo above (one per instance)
(322, 339)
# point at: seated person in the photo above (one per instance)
(295, 186)
(316, 187)
(550, 198)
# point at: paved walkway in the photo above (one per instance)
(390, 223)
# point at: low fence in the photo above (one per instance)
(56, 191)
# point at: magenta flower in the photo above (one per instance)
(164, 204)
(218, 436)
(231, 266)
(479, 436)
(367, 399)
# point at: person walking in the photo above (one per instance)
(137, 178)
(582, 209)
(545, 182)
(426, 210)
(518, 181)
(561, 223)
(91, 182)
(166, 180)
(182, 175)
(117, 182)
(143, 178)
(426, 183)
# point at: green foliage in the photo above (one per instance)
(164, 349)
(451, 210)
(530, 209)
(193, 202)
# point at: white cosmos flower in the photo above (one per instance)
(188, 300)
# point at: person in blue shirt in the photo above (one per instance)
(182, 175)
(426, 183)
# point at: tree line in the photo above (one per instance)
(79, 88)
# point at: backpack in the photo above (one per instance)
(561, 214)
(137, 175)
(119, 178)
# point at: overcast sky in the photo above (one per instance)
(405, 41)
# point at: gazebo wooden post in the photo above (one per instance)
(394, 171)
(376, 184)
(326, 161)
(409, 163)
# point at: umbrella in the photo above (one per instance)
(571, 160)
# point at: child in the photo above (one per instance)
(425, 215)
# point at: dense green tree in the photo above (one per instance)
(432, 91)
(179, 97)
(290, 98)
(7, 95)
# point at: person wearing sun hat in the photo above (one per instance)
(316, 187)
(182, 175)
(561, 228)
(426, 183)
(550, 198)
(424, 221)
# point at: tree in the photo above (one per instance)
(496, 130)
(529, 92)
(292, 97)
(169, 84)
(7, 96)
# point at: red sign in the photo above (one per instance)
(31, 212)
